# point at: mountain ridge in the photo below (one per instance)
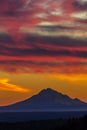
(47, 99)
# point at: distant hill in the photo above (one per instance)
(48, 100)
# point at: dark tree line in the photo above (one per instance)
(58, 124)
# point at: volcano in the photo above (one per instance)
(48, 99)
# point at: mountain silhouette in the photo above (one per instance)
(48, 99)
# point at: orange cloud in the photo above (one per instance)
(74, 78)
(6, 86)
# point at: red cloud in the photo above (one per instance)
(32, 52)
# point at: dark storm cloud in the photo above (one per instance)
(42, 54)
(32, 52)
(57, 41)
(42, 46)
(80, 5)
(5, 38)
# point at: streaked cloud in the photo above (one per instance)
(43, 36)
(6, 86)
(36, 53)
(80, 15)
(42, 15)
(74, 78)
(45, 65)
(57, 12)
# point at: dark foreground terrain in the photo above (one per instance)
(31, 116)
(59, 124)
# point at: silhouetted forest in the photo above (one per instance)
(60, 124)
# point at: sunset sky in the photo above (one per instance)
(43, 44)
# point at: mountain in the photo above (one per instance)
(48, 99)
